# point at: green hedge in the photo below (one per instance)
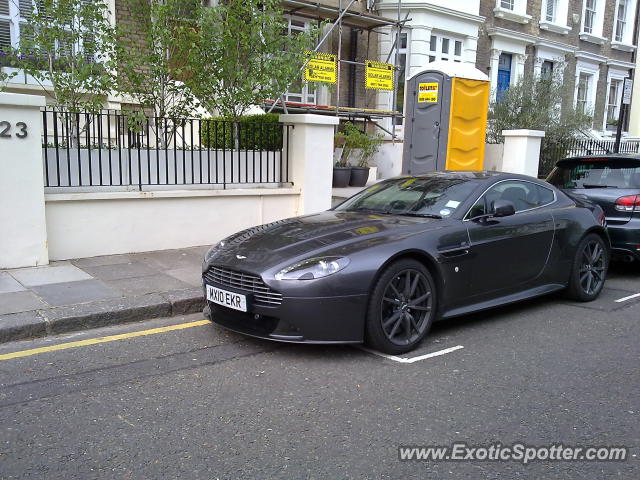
(253, 132)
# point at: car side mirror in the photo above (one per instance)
(503, 208)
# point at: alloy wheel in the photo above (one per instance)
(592, 267)
(406, 307)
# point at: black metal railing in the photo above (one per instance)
(551, 152)
(127, 149)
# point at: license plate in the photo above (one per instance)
(227, 299)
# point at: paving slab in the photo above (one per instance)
(188, 275)
(148, 284)
(15, 302)
(68, 293)
(9, 284)
(124, 270)
(101, 260)
(30, 277)
(171, 259)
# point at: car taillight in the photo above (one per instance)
(629, 203)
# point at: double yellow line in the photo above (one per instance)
(95, 341)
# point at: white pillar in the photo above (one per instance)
(521, 152)
(310, 141)
(518, 72)
(419, 49)
(23, 241)
(493, 73)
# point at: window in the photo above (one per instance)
(508, 4)
(402, 72)
(299, 91)
(429, 195)
(621, 20)
(574, 174)
(523, 195)
(589, 16)
(584, 92)
(546, 70)
(613, 102)
(551, 11)
(5, 24)
(445, 48)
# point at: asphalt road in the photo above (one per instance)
(200, 402)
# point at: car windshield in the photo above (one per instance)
(423, 196)
(596, 174)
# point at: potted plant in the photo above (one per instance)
(341, 170)
(366, 146)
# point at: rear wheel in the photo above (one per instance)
(401, 307)
(589, 270)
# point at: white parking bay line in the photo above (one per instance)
(412, 359)
(624, 299)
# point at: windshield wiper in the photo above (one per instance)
(593, 185)
(416, 214)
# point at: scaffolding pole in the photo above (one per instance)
(342, 12)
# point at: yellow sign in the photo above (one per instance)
(321, 67)
(378, 75)
(427, 93)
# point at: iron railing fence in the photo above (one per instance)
(551, 152)
(119, 149)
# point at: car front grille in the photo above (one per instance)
(262, 294)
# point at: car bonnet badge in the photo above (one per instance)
(240, 257)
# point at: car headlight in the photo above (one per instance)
(313, 268)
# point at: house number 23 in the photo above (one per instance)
(5, 130)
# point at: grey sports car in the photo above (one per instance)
(383, 265)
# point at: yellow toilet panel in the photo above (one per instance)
(467, 124)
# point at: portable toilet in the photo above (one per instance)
(445, 118)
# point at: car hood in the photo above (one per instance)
(268, 245)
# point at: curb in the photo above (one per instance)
(114, 311)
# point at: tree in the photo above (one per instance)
(67, 47)
(535, 104)
(153, 53)
(244, 55)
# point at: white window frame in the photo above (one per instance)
(558, 23)
(437, 53)
(625, 41)
(407, 62)
(593, 72)
(307, 95)
(593, 34)
(516, 14)
(618, 76)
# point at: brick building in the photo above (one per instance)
(588, 44)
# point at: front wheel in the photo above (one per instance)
(401, 307)
(589, 270)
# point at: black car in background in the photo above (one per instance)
(383, 265)
(613, 182)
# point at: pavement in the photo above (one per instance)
(99, 291)
(182, 398)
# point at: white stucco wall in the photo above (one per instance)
(91, 224)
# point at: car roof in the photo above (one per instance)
(469, 174)
(606, 156)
